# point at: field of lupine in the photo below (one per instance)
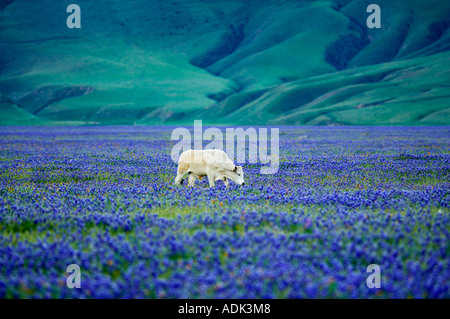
(344, 198)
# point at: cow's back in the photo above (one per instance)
(198, 160)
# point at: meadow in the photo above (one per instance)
(343, 198)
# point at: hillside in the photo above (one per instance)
(14, 115)
(226, 62)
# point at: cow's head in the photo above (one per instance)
(238, 175)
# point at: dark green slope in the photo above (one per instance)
(407, 92)
(11, 114)
(227, 62)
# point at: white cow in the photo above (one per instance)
(212, 163)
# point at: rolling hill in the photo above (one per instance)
(226, 62)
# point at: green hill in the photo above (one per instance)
(14, 115)
(225, 62)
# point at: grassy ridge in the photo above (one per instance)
(284, 62)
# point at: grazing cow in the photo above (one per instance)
(212, 163)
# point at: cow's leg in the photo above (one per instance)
(179, 179)
(181, 171)
(192, 179)
(210, 174)
(218, 176)
(225, 181)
